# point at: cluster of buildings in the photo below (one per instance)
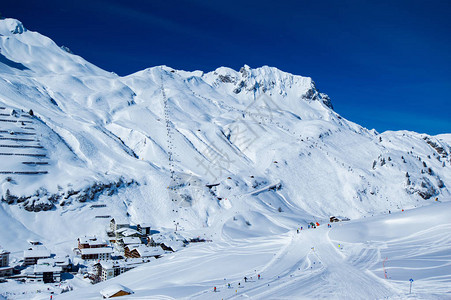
(44, 266)
(39, 264)
(139, 243)
(127, 247)
(134, 244)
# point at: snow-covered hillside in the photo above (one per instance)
(245, 153)
(342, 262)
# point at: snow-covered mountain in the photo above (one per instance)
(246, 152)
(95, 130)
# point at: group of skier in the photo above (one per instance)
(239, 283)
(312, 225)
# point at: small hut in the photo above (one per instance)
(115, 290)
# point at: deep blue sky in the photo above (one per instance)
(385, 64)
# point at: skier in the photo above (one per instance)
(258, 276)
(245, 279)
(228, 285)
(309, 226)
(214, 289)
(297, 230)
(389, 212)
(301, 228)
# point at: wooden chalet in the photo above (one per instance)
(115, 290)
(126, 241)
(142, 251)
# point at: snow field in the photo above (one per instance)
(308, 265)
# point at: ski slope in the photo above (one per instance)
(308, 265)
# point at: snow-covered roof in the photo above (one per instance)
(175, 245)
(54, 261)
(128, 231)
(159, 238)
(44, 268)
(106, 264)
(131, 240)
(168, 236)
(145, 251)
(113, 289)
(35, 252)
(128, 263)
(134, 261)
(103, 250)
(3, 251)
(91, 240)
(144, 225)
(175, 241)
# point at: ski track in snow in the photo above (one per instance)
(307, 265)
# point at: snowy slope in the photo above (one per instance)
(151, 145)
(342, 262)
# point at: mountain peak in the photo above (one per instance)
(10, 26)
(267, 80)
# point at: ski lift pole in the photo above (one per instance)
(411, 281)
